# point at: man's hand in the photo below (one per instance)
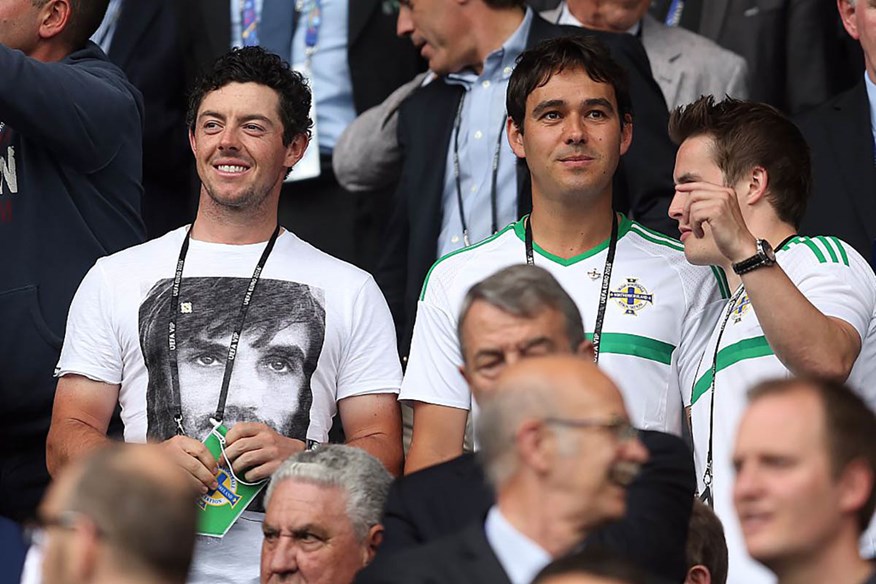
(257, 450)
(717, 206)
(193, 457)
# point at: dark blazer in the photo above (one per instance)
(148, 47)
(643, 183)
(441, 500)
(790, 45)
(379, 60)
(843, 200)
(464, 558)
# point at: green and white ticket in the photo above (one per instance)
(220, 508)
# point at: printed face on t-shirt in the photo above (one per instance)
(279, 347)
(266, 368)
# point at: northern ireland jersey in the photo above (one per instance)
(658, 314)
(839, 283)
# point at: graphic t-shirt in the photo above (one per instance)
(317, 330)
(658, 313)
(839, 283)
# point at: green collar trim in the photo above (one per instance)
(622, 229)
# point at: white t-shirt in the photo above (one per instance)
(839, 283)
(656, 320)
(318, 330)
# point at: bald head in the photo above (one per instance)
(133, 505)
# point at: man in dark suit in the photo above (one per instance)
(794, 55)
(841, 139)
(535, 315)
(436, 214)
(144, 40)
(319, 210)
(557, 446)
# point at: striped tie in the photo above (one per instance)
(249, 22)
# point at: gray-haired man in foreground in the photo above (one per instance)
(322, 516)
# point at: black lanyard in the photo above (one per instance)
(708, 474)
(493, 202)
(606, 277)
(235, 335)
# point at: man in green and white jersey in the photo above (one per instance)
(808, 308)
(569, 116)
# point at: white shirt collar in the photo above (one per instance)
(871, 97)
(520, 557)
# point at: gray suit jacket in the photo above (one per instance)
(685, 64)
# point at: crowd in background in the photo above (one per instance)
(466, 204)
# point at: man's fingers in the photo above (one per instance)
(244, 430)
(195, 458)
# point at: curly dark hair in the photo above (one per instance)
(256, 65)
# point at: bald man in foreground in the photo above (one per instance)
(558, 448)
(123, 514)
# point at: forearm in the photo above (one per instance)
(384, 447)
(70, 439)
(804, 339)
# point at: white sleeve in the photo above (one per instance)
(839, 291)
(370, 362)
(91, 347)
(432, 375)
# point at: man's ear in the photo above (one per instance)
(295, 150)
(855, 484)
(847, 14)
(585, 349)
(758, 183)
(515, 138)
(698, 574)
(192, 142)
(372, 542)
(54, 18)
(626, 134)
(535, 446)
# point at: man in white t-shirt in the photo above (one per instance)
(570, 118)
(808, 308)
(212, 324)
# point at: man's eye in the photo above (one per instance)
(551, 116)
(208, 360)
(253, 128)
(271, 536)
(596, 114)
(280, 364)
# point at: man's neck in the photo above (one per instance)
(231, 227)
(500, 26)
(774, 232)
(540, 520)
(567, 231)
(839, 562)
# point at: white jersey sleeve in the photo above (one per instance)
(834, 278)
(433, 375)
(91, 347)
(370, 362)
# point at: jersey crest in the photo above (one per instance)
(742, 306)
(632, 296)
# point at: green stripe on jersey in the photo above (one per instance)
(723, 286)
(636, 346)
(740, 351)
(462, 250)
(830, 251)
(656, 237)
(839, 246)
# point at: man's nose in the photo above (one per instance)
(676, 206)
(285, 556)
(228, 139)
(575, 130)
(404, 26)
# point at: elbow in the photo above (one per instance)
(54, 456)
(833, 367)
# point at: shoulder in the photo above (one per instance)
(164, 248)
(656, 34)
(695, 280)
(820, 250)
(321, 264)
(847, 102)
(454, 269)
